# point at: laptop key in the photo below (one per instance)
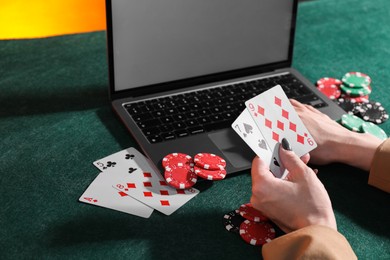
(149, 123)
(178, 125)
(191, 114)
(181, 133)
(151, 131)
(167, 119)
(217, 125)
(168, 136)
(142, 117)
(195, 130)
(192, 122)
(166, 128)
(154, 139)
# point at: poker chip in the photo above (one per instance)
(356, 91)
(371, 128)
(180, 177)
(213, 175)
(331, 91)
(349, 105)
(256, 233)
(179, 159)
(363, 99)
(209, 161)
(351, 122)
(252, 214)
(232, 221)
(374, 112)
(356, 79)
(328, 82)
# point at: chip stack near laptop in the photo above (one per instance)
(352, 94)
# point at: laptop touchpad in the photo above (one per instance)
(233, 148)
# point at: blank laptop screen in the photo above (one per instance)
(157, 41)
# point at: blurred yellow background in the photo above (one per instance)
(43, 18)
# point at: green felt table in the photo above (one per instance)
(55, 120)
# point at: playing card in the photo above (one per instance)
(101, 193)
(247, 129)
(277, 119)
(152, 189)
(122, 161)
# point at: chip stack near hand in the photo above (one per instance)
(352, 93)
(182, 171)
(253, 227)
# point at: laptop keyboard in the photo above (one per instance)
(190, 113)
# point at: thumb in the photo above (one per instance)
(261, 176)
(290, 160)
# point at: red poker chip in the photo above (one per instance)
(329, 81)
(331, 91)
(209, 161)
(256, 233)
(179, 159)
(363, 99)
(213, 175)
(180, 177)
(252, 214)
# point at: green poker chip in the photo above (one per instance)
(356, 80)
(351, 122)
(355, 91)
(371, 128)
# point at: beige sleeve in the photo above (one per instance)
(380, 167)
(312, 242)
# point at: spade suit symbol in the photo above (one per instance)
(248, 128)
(276, 162)
(262, 144)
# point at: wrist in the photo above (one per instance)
(358, 149)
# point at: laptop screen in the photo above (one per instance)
(168, 40)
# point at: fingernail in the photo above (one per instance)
(286, 145)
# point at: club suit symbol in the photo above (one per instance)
(109, 164)
(131, 170)
(129, 156)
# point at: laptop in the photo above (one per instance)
(181, 70)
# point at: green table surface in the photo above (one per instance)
(55, 120)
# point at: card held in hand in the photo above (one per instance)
(247, 129)
(277, 119)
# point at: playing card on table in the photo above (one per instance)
(122, 161)
(277, 119)
(101, 193)
(152, 189)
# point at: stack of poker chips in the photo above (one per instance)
(252, 226)
(352, 93)
(182, 171)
